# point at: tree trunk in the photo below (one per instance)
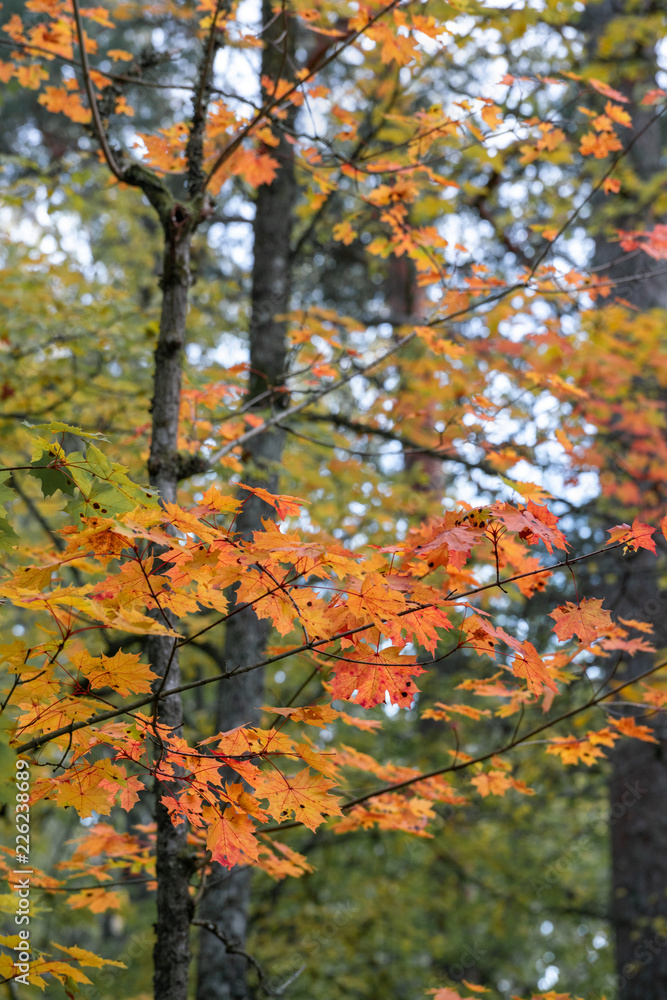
(227, 898)
(638, 784)
(172, 948)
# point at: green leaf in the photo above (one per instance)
(8, 537)
(6, 492)
(58, 427)
(51, 479)
(101, 500)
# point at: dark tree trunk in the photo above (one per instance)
(172, 948)
(638, 784)
(226, 902)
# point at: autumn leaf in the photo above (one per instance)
(629, 727)
(69, 104)
(124, 672)
(604, 88)
(639, 536)
(285, 506)
(527, 663)
(376, 600)
(87, 958)
(574, 751)
(492, 783)
(532, 523)
(611, 185)
(529, 491)
(304, 795)
(95, 900)
(588, 620)
(231, 838)
(379, 671)
(445, 992)
(651, 241)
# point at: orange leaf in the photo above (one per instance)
(381, 671)
(588, 620)
(376, 599)
(604, 88)
(531, 524)
(528, 664)
(636, 537)
(653, 96)
(305, 795)
(285, 505)
(492, 783)
(629, 727)
(231, 838)
(574, 751)
(59, 99)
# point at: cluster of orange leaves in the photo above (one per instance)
(358, 618)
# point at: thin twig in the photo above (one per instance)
(92, 100)
(449, 768)
(304, 647)
(234, 949)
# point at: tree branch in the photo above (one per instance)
(304, 647)
(449, 768)
(92, 100)
(233, 949)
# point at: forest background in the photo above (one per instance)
(398, 269)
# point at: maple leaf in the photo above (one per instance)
(312, 715)
(611, 185)
(574, 751)
(95, 900)
(59, 99)
(532, 523)
(653, 96)
(639, 536)
(604, 88)
(492, 783)
(285, 506)
(376, 599)
(588, 620)
(88, 958)
(452, 536)
(254, 167)
(445, 992)
(629, 727)
(379, 671)
(231, 838)
(529, 491)
(292, 863)
(123, 672)
(527, 663)
(305, 795)
(651, 241)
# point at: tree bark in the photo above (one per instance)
(226, 900)
(172, 948)
(638, 783)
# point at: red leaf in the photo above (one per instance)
(603, 88)
(531, 523)
(636, 537)
(380, 671)
(528, 664)
(285, 505)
